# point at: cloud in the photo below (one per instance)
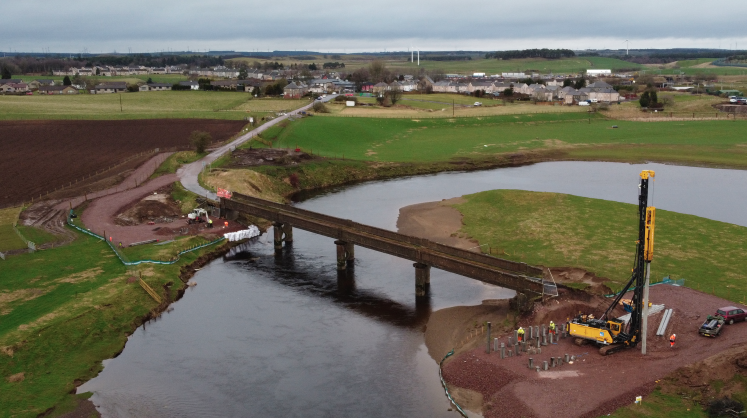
(364, 26)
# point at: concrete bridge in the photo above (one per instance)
(522, 278)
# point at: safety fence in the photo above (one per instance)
(664, 280)
(127, 262)
(446, 389)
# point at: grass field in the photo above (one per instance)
(145, 105)
(477, 64)
(536, 228)
(9, 240)
(63, 311)
(569, 136)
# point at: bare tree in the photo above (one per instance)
(378, 72)
(395, 95)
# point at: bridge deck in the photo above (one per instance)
(513, 275)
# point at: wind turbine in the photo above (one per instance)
(626, 47)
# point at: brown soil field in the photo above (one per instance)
(41, 156)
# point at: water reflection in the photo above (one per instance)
(338, 286)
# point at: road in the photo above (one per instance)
(188, 174)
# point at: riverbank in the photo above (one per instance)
(67, 309)
(536, 228)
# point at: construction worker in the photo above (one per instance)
(210, 223)
(520, 333)
(671, 340)
(552, 327)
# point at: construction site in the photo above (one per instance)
(576, 353)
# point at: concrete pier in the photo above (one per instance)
(345, 254)
(422, 278)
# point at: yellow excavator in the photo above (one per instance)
(610, 333)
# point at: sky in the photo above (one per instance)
(97, 26)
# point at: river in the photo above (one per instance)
(262, 335)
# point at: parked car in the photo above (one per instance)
(732, 314)
(712, 326)
(583, 103)
(733, 99)
(593, 100)
(742, 101)
(319, 98)
(478, 104)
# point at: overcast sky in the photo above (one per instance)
(352, 26)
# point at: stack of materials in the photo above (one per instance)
(252, 232)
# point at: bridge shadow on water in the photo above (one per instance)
(301, 274)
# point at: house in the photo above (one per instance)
(599, 85)
(575, 97)
(224, 84)
(193, 85)
(104, 71)
(322, 86)
(58, 90)
(604, 95)
(14, 87)
(294, 91)
(113, 87)
(158, 70)
(34, 85)
(380, 88)
(367, 87)
(485, 86)
(155, 87)
(249, 85)
(444, 87)
(426, 82)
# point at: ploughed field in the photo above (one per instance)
(41, 156)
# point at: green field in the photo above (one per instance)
(64, 311)
(477, 64)
(568, 136)
(600, 235)
(142, 105)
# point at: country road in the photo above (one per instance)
(188, 174)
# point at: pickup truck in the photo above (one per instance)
(712, 326)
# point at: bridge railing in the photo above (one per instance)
(332, 221)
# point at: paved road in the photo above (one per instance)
(188, 174)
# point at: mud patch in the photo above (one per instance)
(83, 276)
(156, 208)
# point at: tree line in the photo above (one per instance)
(531, 53)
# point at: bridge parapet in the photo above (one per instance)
(514, 275)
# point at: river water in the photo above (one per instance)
(262, 335)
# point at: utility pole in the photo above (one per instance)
(120, 102)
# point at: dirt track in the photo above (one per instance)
(595, 385)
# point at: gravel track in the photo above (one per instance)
(596, 385)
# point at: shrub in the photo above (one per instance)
(200, 140)
(320, 107)
(293, 180)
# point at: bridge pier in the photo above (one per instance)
(422, 279)
(345, 254)
(283, 233)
